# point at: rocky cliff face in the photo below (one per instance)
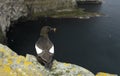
(45, 5)
(12, 64)
(11, 10)
(48, 7)
(15, 65)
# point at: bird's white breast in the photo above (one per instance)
(52, 49)
(38, 50)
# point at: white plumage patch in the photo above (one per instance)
(52, 50)
(38, 50)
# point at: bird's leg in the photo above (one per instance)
(49, 65)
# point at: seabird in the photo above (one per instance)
(45, 48)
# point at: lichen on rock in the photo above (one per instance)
(105, 74)
(12, 64)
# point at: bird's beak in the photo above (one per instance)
(54, 29)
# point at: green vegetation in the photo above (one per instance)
(56, 9)
(68, 13)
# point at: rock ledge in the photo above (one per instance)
(12, 64)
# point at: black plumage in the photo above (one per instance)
(45, 48)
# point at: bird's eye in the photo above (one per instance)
(52, 50)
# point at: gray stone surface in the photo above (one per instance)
(12, 64)
(31, 67)
(60, 68)
(11, 10)
(45, 5)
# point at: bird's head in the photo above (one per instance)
(46, 29)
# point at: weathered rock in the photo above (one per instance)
(105, 74)
(57, 9)
(16, 65)
(45, 5)
(12, 64)
(11, 10)
(61, 69)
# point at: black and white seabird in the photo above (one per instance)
(45, 48)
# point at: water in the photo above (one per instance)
(93, 43)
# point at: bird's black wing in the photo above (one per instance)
(44, 43)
